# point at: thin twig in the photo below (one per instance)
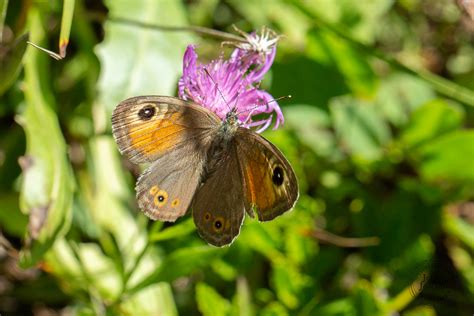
(346, 242)
(47, 51)
(195, 29)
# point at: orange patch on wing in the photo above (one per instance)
(156, 136)
(260, 188)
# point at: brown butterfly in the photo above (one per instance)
(217, 167)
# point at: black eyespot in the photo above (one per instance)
(161, 198)
(218, 224)
(278, 177)
(147, 112)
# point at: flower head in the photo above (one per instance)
(230, 84)
(262, 43)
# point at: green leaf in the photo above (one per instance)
(364, 300)
(342, 307)
(84, 268)
(392, 218)
(156, 299)
(224, 269)
(179, 230)
(105, 193)
(274, 309)
(311, 124)
(209, 302)
(432, 120)
(359, 128)
(288, 283)
(47, 187)
(413, 263)
(260, 238)
(284, 283)
(328, 49)
(137, 61)
(400, 94)
(299, 248)
(449, 158)
(108, 192)
(180, 263)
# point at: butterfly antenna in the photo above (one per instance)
(273, 100)
(219, 90)
(236, 100)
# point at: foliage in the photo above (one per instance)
(378, 129)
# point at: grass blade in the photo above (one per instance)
(66, 22)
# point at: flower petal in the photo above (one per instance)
(258, 74)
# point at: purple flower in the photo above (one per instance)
(224, 84)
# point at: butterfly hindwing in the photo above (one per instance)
(270, 185)
(218, 207)
(166, 188)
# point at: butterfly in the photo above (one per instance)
(216, 167)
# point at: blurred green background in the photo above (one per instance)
(379, 131)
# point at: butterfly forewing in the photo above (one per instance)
(149, 127)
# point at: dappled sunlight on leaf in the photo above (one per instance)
(137, 61)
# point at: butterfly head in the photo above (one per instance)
(232, 118)
(230, 124)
